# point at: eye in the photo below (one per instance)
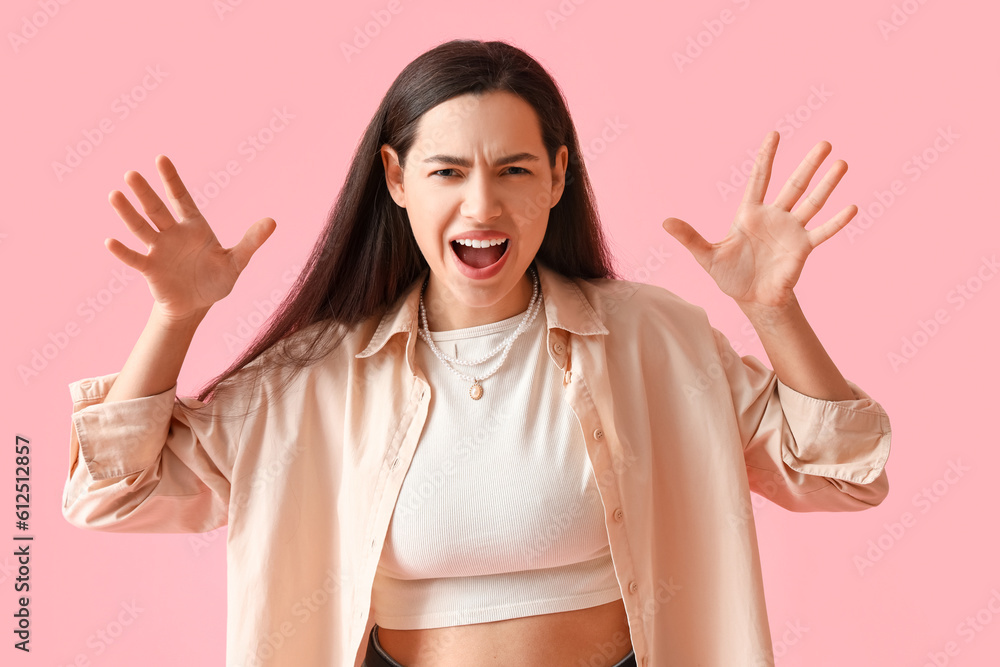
(442, 172)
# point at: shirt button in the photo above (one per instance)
(598, 434)
(618, 514)
(392, 466)
(558, 348)
(633, 587)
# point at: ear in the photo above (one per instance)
(393, 174)
(559, 174)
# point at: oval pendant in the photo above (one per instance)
(476, 392)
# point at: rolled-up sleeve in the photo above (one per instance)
(147, 464)
(804, 453)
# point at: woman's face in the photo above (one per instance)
(478, 169)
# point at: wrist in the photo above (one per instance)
(185, 323)
(771, 316)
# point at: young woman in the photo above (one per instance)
(462, 439)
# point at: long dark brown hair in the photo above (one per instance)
(366, 255)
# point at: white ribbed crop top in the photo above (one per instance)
(499, 515)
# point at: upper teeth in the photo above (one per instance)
(475, 243)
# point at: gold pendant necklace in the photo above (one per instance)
(476, 391)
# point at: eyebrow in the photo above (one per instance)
(465, 162)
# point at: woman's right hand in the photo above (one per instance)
(186, 268)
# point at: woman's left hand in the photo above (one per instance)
(760, 260)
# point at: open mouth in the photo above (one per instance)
(480, 258)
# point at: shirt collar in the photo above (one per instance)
(566, 307)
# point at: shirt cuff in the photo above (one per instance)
(847, 440)
(118, 438)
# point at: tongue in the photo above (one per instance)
(479, 257)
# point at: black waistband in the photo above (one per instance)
(376, 656)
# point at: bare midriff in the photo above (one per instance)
(596, 636)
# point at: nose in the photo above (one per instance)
(479, 198)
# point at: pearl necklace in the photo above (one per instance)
(476, 391)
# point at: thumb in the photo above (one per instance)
(690, 239)
(251, 241)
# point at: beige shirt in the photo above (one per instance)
(679, 429)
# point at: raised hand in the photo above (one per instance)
(761, 258)
(186, 268)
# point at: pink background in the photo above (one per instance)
(886, 98)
